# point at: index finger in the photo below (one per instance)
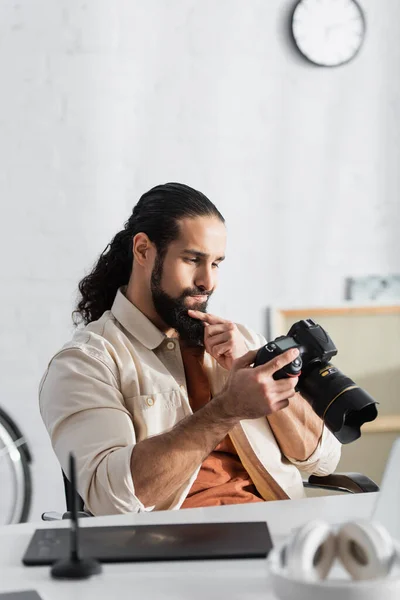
(277, 363)
(206, 317)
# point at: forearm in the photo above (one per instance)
(161, 464)
(297, 429)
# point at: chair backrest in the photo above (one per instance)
(68, 491)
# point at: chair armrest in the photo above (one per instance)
(51, 516)
(55, 516)
(355, 483)
(80, 514)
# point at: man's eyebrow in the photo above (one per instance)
(199, 254)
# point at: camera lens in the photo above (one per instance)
(343, 406)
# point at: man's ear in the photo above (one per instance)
(141, 248)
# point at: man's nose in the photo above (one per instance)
(205, 280)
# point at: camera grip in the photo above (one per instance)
(268, 352)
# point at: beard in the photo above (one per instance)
(174, 312)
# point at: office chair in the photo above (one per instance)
(352, 483)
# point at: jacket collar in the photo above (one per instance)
(135, 322)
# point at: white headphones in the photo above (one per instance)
(366, 550)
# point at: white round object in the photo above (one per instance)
(328, 32)
(334, 587)
(366, 549)
(310, 552)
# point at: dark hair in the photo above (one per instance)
(157, 214)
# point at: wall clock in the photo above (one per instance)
(328, 33)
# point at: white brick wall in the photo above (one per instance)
(101, 99)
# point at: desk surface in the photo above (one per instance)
(197, 580)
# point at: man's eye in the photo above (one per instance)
(195, 261)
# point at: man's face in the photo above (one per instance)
(188, 274)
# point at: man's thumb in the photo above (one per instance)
(246, 360)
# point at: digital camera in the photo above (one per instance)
(341, 403)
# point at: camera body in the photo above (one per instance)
(313, 342)
(341, 404)
(280, 345)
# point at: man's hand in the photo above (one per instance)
(250, 393)
(222, 339)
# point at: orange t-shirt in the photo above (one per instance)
(222, 479)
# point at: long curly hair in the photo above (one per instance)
(157, 214)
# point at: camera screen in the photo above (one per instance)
(285, 344)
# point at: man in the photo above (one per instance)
(159, 399)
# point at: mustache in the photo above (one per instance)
(192, 293)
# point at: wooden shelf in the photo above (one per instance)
(384, 424)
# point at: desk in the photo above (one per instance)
(191, 580)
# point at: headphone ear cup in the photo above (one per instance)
(310, 552)
(365, 549)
